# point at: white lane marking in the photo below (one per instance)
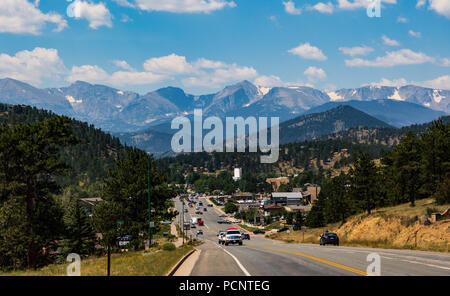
(431, 265)
(237, 261)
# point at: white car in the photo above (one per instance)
(236, 221)
(221, 236)
(233, 236)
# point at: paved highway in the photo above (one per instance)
(265, 257)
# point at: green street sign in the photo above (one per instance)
(120, 222)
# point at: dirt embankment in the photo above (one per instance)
(381, 231)
(395, 232)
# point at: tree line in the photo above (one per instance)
(37, 225)
(418, 167)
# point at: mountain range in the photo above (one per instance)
(120, 111)
(144, 120)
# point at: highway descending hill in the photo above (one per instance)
(260, 256)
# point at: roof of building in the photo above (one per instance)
(287, 194)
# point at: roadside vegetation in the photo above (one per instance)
(155, 262)
(391, 227)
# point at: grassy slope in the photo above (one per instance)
(126, 264)
(393, 227)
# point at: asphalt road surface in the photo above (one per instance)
(260, 256)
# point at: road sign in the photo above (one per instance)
(120, 222)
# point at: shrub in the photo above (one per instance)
(168, 247)
(432, 210)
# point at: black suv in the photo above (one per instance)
(329, 238)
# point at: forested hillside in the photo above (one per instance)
(90, 159)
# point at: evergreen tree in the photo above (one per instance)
(29, 162)
(407, 167)
(128, 187)
(364, 181)
(80, 235)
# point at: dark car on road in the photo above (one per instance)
(259, 231)
(245, 236)
(329, 238)
(282, 229)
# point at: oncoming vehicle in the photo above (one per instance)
(329, 238)
(221, 236)
(233, 236)
(259, 231)
(245, 236)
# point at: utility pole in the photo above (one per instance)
(182, 233)
(149, 207)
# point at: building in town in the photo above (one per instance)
(287, 198)
(237, 174)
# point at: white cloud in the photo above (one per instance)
(220, 76)
(290, 8)
(96, 14)
(23, 17)
(442, 82)
(123, 65)
(357, 50)
(393, 58)
(390, 42)
(421, 3)
(402, 19)
(445, 62)
(268, 81)
(203, 63)
(388, 82)
(323, 7)
(307, 51)
(315, 74)
(32, 66)
(95, 74)
(415, 34)
(172, 65)
(442, 7)
(202, 72)
(178, 6)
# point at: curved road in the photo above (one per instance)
(265, 257)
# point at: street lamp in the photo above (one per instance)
(149, 207)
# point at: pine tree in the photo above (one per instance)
(29, 162)
(364, 180)
(80, 235)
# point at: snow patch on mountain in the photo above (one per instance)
(262, 91)
(73, 101)
(396, 96)
(437, 96)
(334, 96)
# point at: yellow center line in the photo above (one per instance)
(354, 270)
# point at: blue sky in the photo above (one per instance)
(204, 45)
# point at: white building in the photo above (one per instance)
(237, 174)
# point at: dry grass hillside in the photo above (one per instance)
(394, 227)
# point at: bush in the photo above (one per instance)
(432, 210)
(168, 247)
(230, 207)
